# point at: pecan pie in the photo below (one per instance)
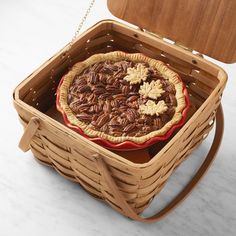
(119, 96)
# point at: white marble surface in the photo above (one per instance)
(35, 200)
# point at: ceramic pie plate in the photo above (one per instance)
(124, 142)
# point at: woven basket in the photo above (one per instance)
(127, 186)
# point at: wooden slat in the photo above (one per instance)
(210, 27)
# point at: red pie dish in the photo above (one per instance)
(122, 101)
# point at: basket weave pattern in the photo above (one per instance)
(74, 157)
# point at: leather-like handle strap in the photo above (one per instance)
(182, 195)
(29, 132)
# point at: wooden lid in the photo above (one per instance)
(207, 26)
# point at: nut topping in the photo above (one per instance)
(122, 98)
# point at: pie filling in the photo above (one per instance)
(122, 98)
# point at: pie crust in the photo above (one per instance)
(154, 89)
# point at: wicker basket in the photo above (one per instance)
(127, 186)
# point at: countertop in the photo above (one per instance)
(35, 200)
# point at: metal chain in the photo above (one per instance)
(82, 21)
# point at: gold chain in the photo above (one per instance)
(82, 21)
(65, 54)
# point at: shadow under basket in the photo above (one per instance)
(128, 182)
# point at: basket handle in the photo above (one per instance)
(128, 211)
(29, 132)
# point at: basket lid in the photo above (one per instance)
(208, 27)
